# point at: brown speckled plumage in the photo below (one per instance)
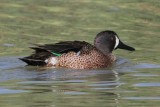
(78, 54)
(93, 59)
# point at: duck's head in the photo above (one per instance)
(107, 41)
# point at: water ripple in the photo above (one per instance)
(141, 98)
(154, 84)
(11, 91)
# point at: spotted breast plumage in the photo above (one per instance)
(78, 54)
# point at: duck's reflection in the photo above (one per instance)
(74, 87)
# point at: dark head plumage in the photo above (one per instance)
(107, 41)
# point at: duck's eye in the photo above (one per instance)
(112, 39)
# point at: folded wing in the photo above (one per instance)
(43, 52)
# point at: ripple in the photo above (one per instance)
(106, 84)
(142, 98)
(75, 81)
(146, 65)
(147, 85)
(75, 93)
(145, 75)
(9, 91)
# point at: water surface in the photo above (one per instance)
(133, 81)
(126, 84)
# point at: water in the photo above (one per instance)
(133, 81)
(126, 84)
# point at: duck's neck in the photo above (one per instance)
(105, 52)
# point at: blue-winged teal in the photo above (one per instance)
(78, 54)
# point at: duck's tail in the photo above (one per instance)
(33, 62)
(38, 58)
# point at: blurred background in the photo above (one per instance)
(134, 81)
(24, 22)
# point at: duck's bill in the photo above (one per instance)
(124, 46)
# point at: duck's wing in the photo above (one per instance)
(63, 47)
(43, 52)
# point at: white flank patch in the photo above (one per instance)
(52, 60)
(117, 42)
(46, 61)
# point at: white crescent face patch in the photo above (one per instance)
(117, 42)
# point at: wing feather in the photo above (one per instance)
(43, 52)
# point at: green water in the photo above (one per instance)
(133, 81)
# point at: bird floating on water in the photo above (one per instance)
(78, 54)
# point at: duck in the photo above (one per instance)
(78, 54)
